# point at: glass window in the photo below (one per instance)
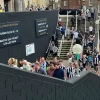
(90, 2)
(65, 3)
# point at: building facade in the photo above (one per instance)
(20, 5)
(43, 3)
(70, 4)
(2, 3)
(12, 5)
(74, 4)
(39, 3)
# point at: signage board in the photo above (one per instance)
(41, 27)
(30, 49)
(9, 33)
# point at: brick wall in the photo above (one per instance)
(20, 85)
(71, 4)
(78, 3)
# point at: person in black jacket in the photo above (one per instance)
(73, 21)
(58, 73)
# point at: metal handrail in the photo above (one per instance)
(72, 44)
(60, 47)
(49, 46)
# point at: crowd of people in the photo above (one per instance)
(54, 68)
(36, 8)
(87, 14)
(88, 60)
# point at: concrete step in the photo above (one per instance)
(65, 47)
(64, 52)
(65, 44)
(62, 57)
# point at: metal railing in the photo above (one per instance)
(71, 45)
(96, 29)
(49, 46)
(60, 47)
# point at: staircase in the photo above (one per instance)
(66, 44)
(65, 49)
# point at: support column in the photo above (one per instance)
(76, 20)
(23, 5)
(18, 5)
(11, 6)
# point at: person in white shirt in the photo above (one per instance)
(26, 65)
(91, 29)
(87, 10)
(76, 35)
(55, 50)
(59, 20)
(89, 16)
(84, 9)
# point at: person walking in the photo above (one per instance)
(89, 16)
(79, 20)
(73, 21)
(58, 73)
(90, 29)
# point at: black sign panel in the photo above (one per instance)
(41, 27)
(9, 34)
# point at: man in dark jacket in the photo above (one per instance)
(73, 21)
(58, 73)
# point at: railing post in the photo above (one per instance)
(66, 25)
(85, 24)
(98, 37)
(67, 19)
(76, 20)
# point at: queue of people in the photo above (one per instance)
(54, 68)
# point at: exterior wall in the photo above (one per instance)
(74, 4)
(95, 3)
(11, 6)
(71, 4)
(21, 85)
(27, 32)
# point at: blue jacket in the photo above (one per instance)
(63, 30)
